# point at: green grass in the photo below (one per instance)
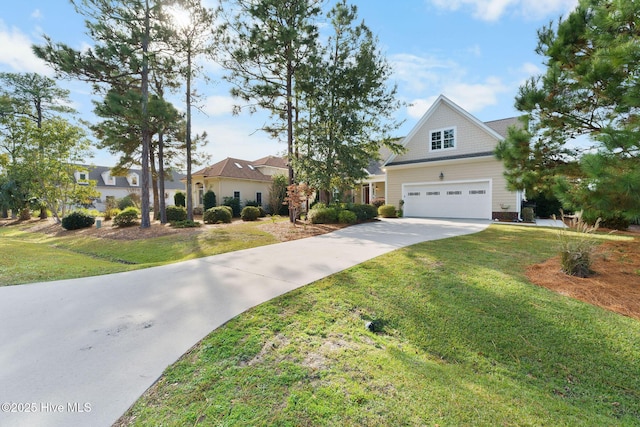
(465, 340)
(33, 257)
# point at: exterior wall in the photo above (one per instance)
(469, 138)
(119, 193)
(503, 200)
(226, 187)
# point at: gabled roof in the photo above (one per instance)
(233, 168)
(444, 100)
(95, 174)
(273, 161)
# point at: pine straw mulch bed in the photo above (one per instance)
(614, 285)
(283, 230)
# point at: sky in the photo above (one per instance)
(475, 52)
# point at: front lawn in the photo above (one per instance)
(462, 338)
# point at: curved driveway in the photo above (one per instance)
(80, 352)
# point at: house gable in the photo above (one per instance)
(447, 131)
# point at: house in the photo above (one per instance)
(120, 186)
(374, 185)
(242, 179)
(449, 169)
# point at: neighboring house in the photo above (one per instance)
(121, 186)
(242, 179)
(449, 169)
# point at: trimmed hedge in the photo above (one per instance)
(127, 217)
(387, 211)
(323, 216)
(234, 204)
(77, 220)
(209, 200)
(176, 213)
(364, 212)
(217, 215)
(250, 213)
(347, 217)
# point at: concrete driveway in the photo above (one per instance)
(80, 352)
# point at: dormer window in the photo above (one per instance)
(443, 139)
(133, 179)
(82, 178)
(107, 178)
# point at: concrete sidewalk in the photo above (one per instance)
(80, 352)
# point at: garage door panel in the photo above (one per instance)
(448, 200)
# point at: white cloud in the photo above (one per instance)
(476, 97)
(472, 97)
(37, 15)
(218, 105)
(419, 73)
(493, 10)
(15, 52)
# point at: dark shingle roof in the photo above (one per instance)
(95, 173)
(501, 126)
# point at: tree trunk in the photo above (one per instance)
(146, 137)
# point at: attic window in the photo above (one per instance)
(238, 165)
(82, 178)
(443, 139)
(251, 167)
(108, 179)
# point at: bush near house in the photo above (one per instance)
(209, 200)
(250, 213)
(378, 201)
(234, 204)
(110, 213)
(127, 217)
(323, 215)
(130, 200)
(363, 212)
(176, 213)
(387, 211)
(217, 215)
(77, 220)
(347, 217)
(180, 199)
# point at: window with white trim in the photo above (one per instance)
(443, 139)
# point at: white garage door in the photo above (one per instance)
(448, 200)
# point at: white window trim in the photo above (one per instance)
(108, 179)
(133, 177)
(442, 130)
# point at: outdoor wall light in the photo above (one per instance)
(441, 175)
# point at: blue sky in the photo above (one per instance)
(476, 52)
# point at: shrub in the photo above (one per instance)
(130, 200)
(217, 214)
(127, 217)
(209, 200)
(613, 220)
(387, 211)
(187, 223)
(250, 213)
(378, 201)
(234, 204)
(577, 247)
(180, 199)
(176, 213)
(347, 217)
(323, 216)
(527, 214)
(77, 220)
(364, 212)
(111, 213)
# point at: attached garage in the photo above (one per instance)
(470, 199)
